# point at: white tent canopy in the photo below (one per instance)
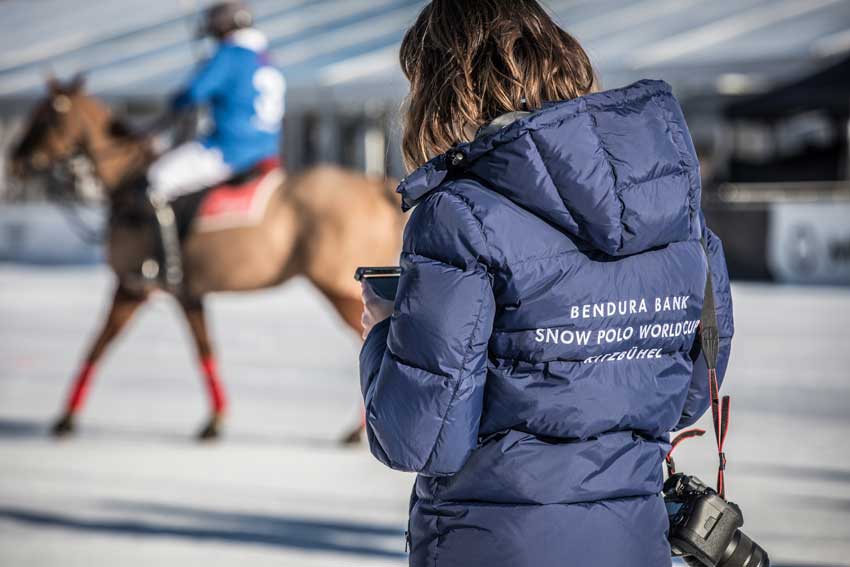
(143, 47)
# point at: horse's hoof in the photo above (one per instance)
(64, 426)
(353, 438)
(212, 430)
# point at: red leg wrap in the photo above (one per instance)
(81, 388)
(217, 397)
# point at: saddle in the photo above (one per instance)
(238, 202)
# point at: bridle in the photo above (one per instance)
(64, 180)
(67, 174)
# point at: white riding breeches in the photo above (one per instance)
(187, 168)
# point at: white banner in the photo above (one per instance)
(809, 242)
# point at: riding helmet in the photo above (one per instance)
(223, 18)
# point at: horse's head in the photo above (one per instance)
(60, 127)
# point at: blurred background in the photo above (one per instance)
(766, 89)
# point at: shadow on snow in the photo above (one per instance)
(361, 539)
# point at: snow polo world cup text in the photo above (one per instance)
(613, 335)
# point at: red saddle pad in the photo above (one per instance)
(234, 206)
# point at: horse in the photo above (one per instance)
(320, 224)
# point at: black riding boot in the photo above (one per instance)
(170, 242)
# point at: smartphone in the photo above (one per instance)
(383, 281)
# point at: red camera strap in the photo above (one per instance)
(710, 341)
(684, 435)
(720, 417)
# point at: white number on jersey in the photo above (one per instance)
(269, 104)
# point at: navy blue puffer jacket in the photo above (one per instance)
(543, 341)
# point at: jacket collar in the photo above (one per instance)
(249, 38)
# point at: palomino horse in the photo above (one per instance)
(321, 224)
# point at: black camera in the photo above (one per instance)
(704, 528)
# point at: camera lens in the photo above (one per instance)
(744, 552)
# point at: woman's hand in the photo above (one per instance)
(375, 309)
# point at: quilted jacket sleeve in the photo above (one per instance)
(698, 400)
(423, 371)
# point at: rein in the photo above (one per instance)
(62, 176)
(66, 174)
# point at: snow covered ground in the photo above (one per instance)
(134, 489)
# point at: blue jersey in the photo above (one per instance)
(246, 98)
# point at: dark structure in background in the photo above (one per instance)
(808, 123)
(786, 148)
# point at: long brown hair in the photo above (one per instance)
(470, 61)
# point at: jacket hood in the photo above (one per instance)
(616, 169)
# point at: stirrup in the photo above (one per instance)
(170, 240)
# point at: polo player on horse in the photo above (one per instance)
(245, 96)
(320, 225)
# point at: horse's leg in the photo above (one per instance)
(350, 309)
(124, 306)
(194, 311)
